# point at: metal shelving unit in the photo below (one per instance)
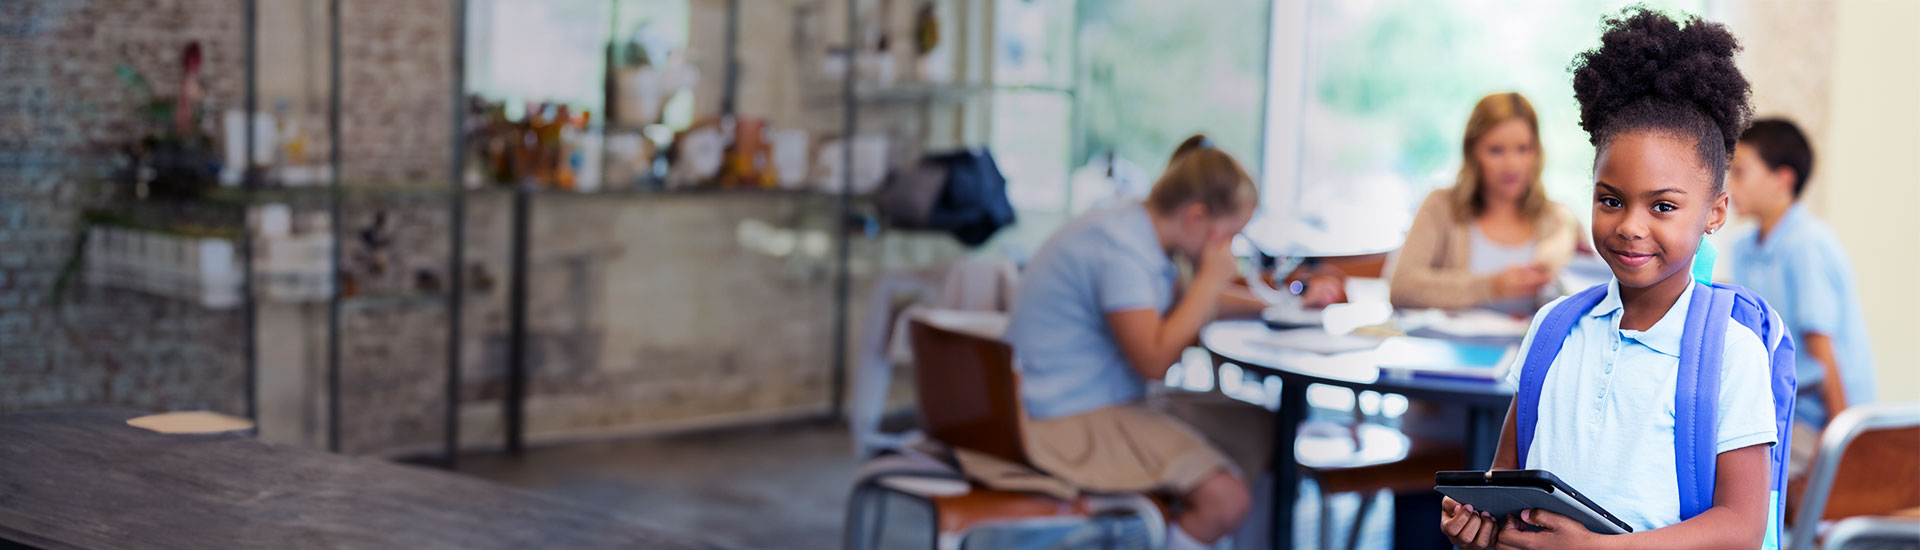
(334, 193)
(853, 96)
(523, 194)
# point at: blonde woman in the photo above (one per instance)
(1492, 240)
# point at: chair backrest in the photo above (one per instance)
(1864, 533)
(1867, 464)
(968, 392)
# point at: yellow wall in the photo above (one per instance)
(1871, 187)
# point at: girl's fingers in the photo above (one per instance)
(1458, 524)
(1485, 540)
(1475, 526)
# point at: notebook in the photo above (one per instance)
(1403, 357)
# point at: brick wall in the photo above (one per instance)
(61, 108)
(395, 78)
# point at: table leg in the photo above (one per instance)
(1483, 435)
(1286, 470)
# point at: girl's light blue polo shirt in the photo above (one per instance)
(1606, 408)
(1105, 261)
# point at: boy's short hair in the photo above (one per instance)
(1780, 143)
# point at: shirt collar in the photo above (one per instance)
(1664, 335)
(1788, 224)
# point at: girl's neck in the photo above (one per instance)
(1640, 308)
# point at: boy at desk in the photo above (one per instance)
(1795, 262)
(1100, 312)
(1663, 105)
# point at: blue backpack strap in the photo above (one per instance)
(1547, 339)
(1753, 312)
(1696, 397)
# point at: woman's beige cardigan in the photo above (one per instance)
(1432, 269)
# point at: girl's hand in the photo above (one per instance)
(1556, 531)
(1467, 528)
(1217, 264)
(1323, 291)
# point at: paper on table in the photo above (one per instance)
(1480, 323)
(190, 422)
(1313, 340)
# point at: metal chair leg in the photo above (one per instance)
(862, 532)
(855, 532)
(879, 520)
(1326, 517)
(1360, 518)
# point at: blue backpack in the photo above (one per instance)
(1696, 399)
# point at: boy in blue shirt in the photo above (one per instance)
(1662, 104)
(1793, 260)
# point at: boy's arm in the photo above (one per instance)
(1738, 518)
(1833, 390)
(1819, 310)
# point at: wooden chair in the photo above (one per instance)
(1868, 464)
(968, 397)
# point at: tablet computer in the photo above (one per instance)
(1503, 492)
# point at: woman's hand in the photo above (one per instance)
(1521, 281)
(1556, 531)
(1467, 528)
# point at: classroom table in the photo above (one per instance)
(83, 478)
(1241, 342)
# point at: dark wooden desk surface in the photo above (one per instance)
(82, 478)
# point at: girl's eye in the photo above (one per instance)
(1664, 207)
(1610, 202)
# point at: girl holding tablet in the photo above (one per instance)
(1663, 104)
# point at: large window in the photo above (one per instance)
(1154, 72)
(1090, 81)
(521, 51)
(1369, 100)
